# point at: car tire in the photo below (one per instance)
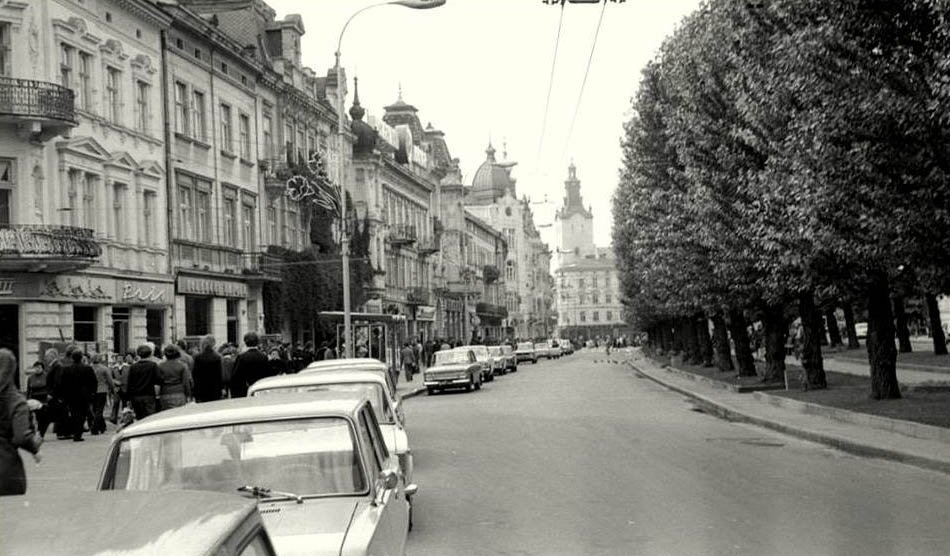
(470, 386)
(478, 385)
(430, 391)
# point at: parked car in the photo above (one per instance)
(525, 352)
(567, 348)
(132, 524)
(482, 356)
(511, 360)
(354, 364)
(370, 384)
(317, 464)
(861, 330)
(544, 349)
(453, 368)
(499, 364)
(554, 348)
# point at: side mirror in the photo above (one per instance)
(411, 490)
(387, 480)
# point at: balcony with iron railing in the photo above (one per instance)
(428, 246)
(43, 248)
(276, 171)
(41, 109)
(264, 266)
(212, 258)
(418, 296)
(402, 234)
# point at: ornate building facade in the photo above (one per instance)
(83, 243)
(586, 284)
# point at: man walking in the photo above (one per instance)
(249, 367)
(141, 382)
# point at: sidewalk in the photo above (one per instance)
(912, 443)
(905, 375)
(410, 389)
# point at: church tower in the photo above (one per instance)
(574, 224)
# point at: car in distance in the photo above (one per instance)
(353, 364)
(133, 523)
(324, 481)
(861, 330)
(567, 347)
(453, 368)
(543, 349)
(525, 352)
(511, 360)
(368, 384)
(482, 356)
(499, 363)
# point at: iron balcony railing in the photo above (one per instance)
(38, 100)
(265, 264)
(402, 234)
(418, 296)
(40, 241)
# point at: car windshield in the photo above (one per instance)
(505, 349)
(451, 357)
(309, 457)
(371, 390)
(525, 345)
(494, 350)
(481, 352)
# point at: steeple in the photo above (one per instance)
(356, 111)
(573, 202)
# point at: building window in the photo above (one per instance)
(6, 185)
(608, 298)
(84, 323)
(85, 81)
(244, 132)
(203, 215)
(5, 57)
(197, 315)
(227, 135)
(229, 221)
(155, 326)
(181, 108)
(198, 130)
(4, 207)
(289, 143)
(610, 316)
(268, 131)
(596, 316)
(66, 54)
(583, 316)
(148, 217)
(594, 298)
(118, 211)
(120, 329)
(141, 105)
(185, 210)
(272, 226)
(247, 225)
(232, 320)
(113, 95)
(89, 201)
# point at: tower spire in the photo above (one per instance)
(356, 111)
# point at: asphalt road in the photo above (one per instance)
(578, 456)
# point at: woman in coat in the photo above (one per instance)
(175, 379)
(207, 372)
(16, 429)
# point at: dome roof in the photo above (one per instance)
(491, 175)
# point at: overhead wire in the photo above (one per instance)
(547, 102)
(580, 96)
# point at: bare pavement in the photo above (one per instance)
(584, 455)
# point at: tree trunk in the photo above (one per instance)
(776, 332)
(821, 332)
(881, 352)
(936, 327)
(903, 333)
(666, 334)
(694, 354)
(853, 342)
(705, 344)
(831, 323)
(812, 362)
(676, 332)
(721, 344)
(740, 340)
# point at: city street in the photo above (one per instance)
(579, 456)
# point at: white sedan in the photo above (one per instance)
(324, 479)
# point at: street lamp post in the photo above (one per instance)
(341, 169)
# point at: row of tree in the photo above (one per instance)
(784, 157)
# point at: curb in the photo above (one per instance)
(413, 393)
(712, 383)
(844, 444)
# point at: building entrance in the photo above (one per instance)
(10, 334)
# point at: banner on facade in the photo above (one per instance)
(190, 285)
(425, 312)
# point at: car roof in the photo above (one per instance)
(360, 362)
(131, 523)
(292, 405)
(472, 347)
(322, 377)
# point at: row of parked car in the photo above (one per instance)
(469, 366)
(323, 455)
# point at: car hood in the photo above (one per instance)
(448, 368)
(316, 527)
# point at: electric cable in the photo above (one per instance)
(547, 102)
(580, 95)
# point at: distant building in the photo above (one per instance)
(586, 284)
(529, 295)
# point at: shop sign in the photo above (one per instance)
(188, 285)
(6, 286)
(425, 312)
(82, 289)
(147, 293)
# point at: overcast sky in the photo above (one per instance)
(479, 68)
